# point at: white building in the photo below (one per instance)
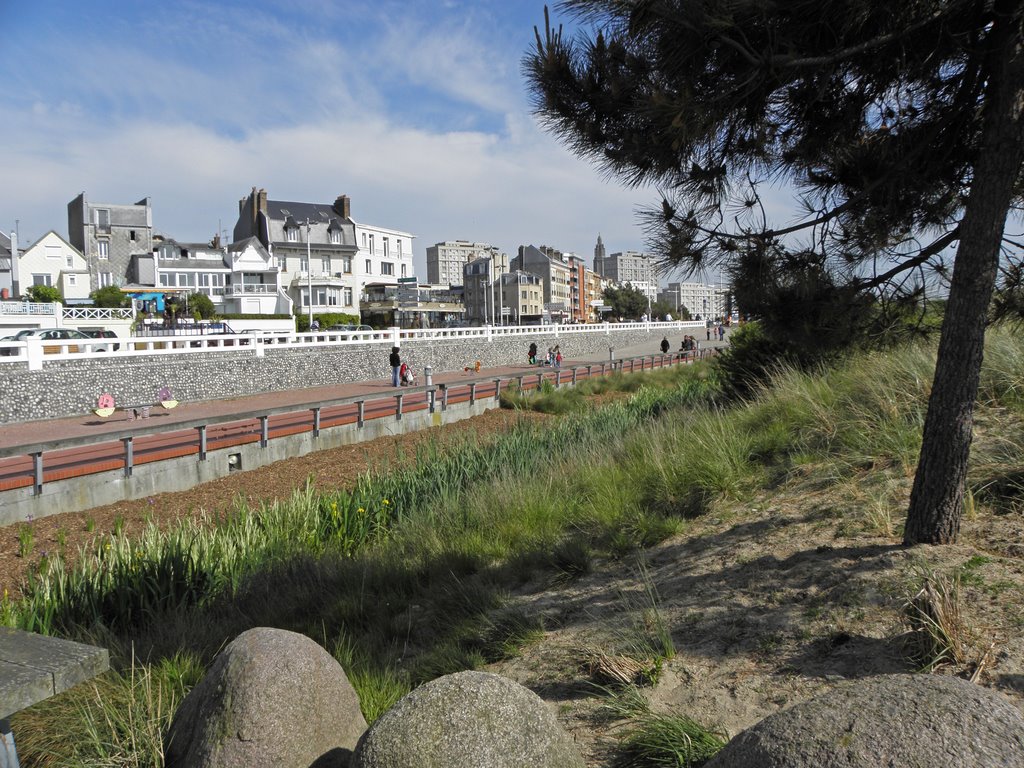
(701, 300)
(52, 260)
(325, 257)
(384, 255)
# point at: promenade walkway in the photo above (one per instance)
(13, 436)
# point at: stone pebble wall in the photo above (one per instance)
(70, 388)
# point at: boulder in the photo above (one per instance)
(271, 697)
(904, 721)
(468, 720)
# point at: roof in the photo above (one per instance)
(240, 245)
(279, 210)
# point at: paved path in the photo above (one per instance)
(26, 433)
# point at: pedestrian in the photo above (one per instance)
(558, 356)
(665, 345)
(532, 353)
(315, 326)
(396, 367)
(721, 332)
(550, 359)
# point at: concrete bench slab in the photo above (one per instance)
(35, 667)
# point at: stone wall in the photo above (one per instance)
(70, 387)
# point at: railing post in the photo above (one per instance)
(396, 336)
(472, 393)
(558, 378)
(574, 376)
(34, 353)
(129, 456)
(316, 422)
(37, 473)
(360, 413)
(497, 388)
(202, 442)
(398, 408)
(540, 380)
(264, 431)
(444, 398)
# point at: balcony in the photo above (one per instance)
(249, 290)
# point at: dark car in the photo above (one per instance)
(102, 333)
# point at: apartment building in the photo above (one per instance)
(447, 260)
(108, 235)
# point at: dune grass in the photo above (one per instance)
(406, 576)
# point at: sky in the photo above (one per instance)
(417, 110)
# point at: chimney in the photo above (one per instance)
(343, 206)
(262, 202)
(215, 243)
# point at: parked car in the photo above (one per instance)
(13, 337)
(350, 327)
(63, 335)
(102, 333)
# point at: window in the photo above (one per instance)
(371, 243)
(325, 266)
(364, 239)
(346, 265)
(398, 246)
(303, 264)
(103, 219)
(105, 279)
(292, 234)
(403, 270)
(335, 236)
(42, 280)
(387, 268)
(348, 297)
(165, 280)
(103, 249)
(72, 280)
(387, 250)
(369, 267)
(131, 235)
(69, 262)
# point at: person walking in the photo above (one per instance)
(532, 353)
(558, 356)
(665, 345)
(396, 367)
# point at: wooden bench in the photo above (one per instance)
(35, 667)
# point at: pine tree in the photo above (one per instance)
(898, 127)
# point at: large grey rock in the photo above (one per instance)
(902, 721)
(468, 720)
(271, 698)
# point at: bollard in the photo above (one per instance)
(611, 353)
(428, 375)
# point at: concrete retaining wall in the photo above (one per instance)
(70, 387)
(82, 493)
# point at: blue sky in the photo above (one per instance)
(416, 110)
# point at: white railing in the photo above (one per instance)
(99, 313)
(27, 308)
(37, 354)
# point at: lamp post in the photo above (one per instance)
(309, 276)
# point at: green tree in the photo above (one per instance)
(201, 303)
(897, 125)
(626, 302)
(109, 296)
(44, 294)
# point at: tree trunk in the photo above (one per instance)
(936, 502)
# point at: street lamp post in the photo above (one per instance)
(309, 276)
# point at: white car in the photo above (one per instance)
(61, 338)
